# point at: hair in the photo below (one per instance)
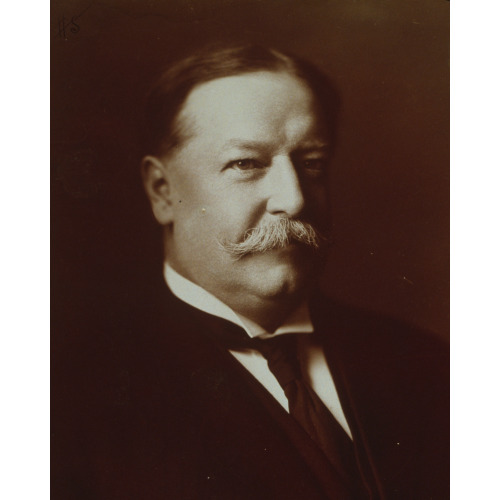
(162, 130)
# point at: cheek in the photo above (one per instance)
(204, 222)
(234, 210)
(230, 221)
(318, 208)
(317, 197)
(210, 207)
(323, 200)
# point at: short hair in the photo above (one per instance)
(161, 129)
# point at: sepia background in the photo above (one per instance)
(390, 182)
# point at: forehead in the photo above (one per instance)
(256, 106)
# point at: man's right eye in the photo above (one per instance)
(246, 164)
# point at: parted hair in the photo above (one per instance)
(161, 128)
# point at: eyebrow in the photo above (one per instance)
(313, 145)
(246, 144)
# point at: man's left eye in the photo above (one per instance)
(315, 166)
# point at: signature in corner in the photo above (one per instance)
(69, 26)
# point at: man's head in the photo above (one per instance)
(240, 140)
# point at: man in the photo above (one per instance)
(244, 382)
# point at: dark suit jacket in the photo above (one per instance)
(148, 407)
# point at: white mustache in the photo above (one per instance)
(274, 234)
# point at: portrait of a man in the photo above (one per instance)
(212, 364)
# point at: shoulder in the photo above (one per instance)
(382, 359)
(369, 334)
(394, 379)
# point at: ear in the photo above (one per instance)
(158, 190)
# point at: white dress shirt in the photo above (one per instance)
(312, 357)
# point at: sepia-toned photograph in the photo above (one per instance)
(250, 249)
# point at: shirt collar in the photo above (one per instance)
(187, 291)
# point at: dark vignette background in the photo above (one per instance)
(390, 196)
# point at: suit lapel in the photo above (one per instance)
(342, 362)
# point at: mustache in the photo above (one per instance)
(274, 234)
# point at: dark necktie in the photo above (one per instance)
(304, 404)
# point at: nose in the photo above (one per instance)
(285, 191)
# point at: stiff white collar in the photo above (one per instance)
(187, 291)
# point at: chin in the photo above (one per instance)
(281, 279)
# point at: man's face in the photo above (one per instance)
(254, 152)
